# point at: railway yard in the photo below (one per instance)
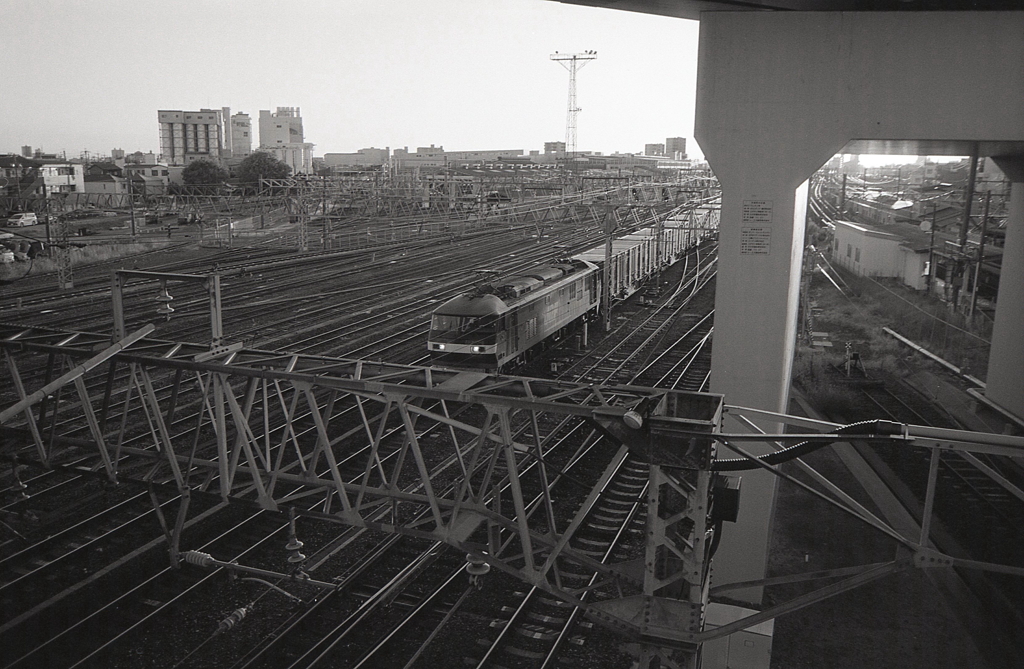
(282, 484)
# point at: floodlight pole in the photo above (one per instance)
(572, 62)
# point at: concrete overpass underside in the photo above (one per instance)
(781, 92)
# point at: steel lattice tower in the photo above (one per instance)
(572, 62)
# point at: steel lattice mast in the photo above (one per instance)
(572, 62)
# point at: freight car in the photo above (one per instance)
(500, 325)
(634, 257)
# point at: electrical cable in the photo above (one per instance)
(878, 427)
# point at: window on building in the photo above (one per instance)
(857, 258)
(155, 172)
(849, 250)
(166, 173)
(245, 134)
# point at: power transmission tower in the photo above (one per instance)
(572, 62)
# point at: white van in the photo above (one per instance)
(19, 220)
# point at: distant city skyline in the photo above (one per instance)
(461, 74)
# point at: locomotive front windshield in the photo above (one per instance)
(465, 329)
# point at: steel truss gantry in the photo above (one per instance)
(439, 454)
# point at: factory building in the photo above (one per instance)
(370, 157)
(281, 136)
(186, 136)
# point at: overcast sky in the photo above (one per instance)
(463, 74)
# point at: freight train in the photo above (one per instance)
(501, 324)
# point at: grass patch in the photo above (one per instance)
(872, 304)
(80, 255)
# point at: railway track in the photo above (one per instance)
(974, 516)
(162, 595)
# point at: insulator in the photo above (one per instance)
(236, 617)
(476, 566)
(296, 558)
(198, 558)
(294, 544)
(164, 298)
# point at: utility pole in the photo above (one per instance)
(572, 62)
(981, 255)
(610, 223)
(131, 203)
(931, 256)
(323, 211)
(969, 198)
(842, 198)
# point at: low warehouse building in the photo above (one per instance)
(898, 250)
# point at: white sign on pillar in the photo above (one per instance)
(756, 232)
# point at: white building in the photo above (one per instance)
(362, 158)
(899, 251)
(281, 136)
(240, 135)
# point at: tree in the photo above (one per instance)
(204, 173)
(262, 165)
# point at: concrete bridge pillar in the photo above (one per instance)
(778, 94)
(1006, 360)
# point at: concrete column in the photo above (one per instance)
(778, 94)
(1006, 357)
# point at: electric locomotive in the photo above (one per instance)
(498, 324)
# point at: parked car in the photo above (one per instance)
(22, 219)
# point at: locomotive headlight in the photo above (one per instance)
(439, 347)
(478, 349)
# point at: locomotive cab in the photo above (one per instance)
(465, 331)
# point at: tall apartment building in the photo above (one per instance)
(281, 136)
(554, 147)
(186, 136)
(241, 135)
(654, 149)
(675, 147)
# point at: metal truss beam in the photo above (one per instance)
(459, 457)
(451, 456)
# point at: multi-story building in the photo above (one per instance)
(105, 184)
(26, 177)
(186, 136)
(281, 136)
(654, 149)
(554, 147)
(241, 135)
(675, 147)
(151, 178)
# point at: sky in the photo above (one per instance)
(462, 74)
